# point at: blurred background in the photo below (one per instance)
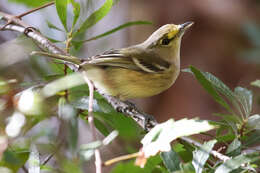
(225, 41)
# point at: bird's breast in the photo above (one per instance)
(127, 84)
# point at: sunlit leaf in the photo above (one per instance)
(201, 155)
(110, 137)
(5, 170)
(171, 160)
(95, 17)
(160, 137)
(236, 162)
(61, 7)
(15, 124)
(87, 150)
(256, 83)
(61, 84)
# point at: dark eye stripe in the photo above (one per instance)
(166, 41)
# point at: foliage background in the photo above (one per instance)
(223, 41)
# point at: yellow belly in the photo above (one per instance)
(127, 84)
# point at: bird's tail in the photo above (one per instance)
(65, 58)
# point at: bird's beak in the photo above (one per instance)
(184, 27)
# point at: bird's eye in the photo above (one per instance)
(166, 41)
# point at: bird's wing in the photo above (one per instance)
(138, 61)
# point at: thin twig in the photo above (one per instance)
(35, 9)
(98, 161)
(25, 169)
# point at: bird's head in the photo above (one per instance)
(166, 41)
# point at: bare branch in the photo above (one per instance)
(91, 122)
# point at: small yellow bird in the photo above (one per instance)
(137, 71)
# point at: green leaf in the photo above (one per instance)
(61, 7)
(171, 160)
(129, 167)
(76, 11)
(236, 162)
(234, 148)
(160, 137)
(31, 3)
(184, 150)
(209, 83)
(256, 83)
(252, 138)
(14, 159)
(101, 127)
(95, 17)
(253, 122)
(245, 98)
(52, 26)
(127, 127)
(201, 155)
(118, 28)
(34, 160)
(187, 168)
(70, 166)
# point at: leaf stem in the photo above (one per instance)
(121, 158)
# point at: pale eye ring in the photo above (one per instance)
(165, 41)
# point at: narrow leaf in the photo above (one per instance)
(201, 155)
(61, 8)
(95, 17)
(235, 163)
(31, 3)
(110, 137)
(118, 28)
(52, 26)
(76, 11)
(209, 86)
(171, 160)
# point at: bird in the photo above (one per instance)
(138, 71)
